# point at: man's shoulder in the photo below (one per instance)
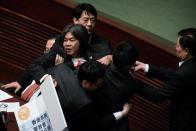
(98, 39)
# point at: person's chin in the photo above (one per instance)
(89, 31)
(69, 53)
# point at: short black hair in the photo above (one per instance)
(187, 31)
(91, 71)
(125, 54)
(188, 39)
(84, 7)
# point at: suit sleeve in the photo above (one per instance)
(166, 92)
(25, 79)
(38, 68)
(99, 47)
(160, 73)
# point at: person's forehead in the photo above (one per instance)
(177, 41)
(69, 35)
(86, 14)
(178, 38)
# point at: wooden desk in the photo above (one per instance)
(11, 125)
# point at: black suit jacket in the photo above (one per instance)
(79, 110)
(98, 47)
(118, 88)
(179, 88)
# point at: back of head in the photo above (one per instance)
(125, 54)
(84, 7)
(91, 71)
(188, 40)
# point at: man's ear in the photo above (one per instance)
(85, 84)
(75, 20)
(186, 51)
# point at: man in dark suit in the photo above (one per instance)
(179, 83)
(119, 84)
(99, 48)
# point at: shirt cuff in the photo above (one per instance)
(118, 115)
(146, 68)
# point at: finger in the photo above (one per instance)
(99, 60)
(136, 68)
(55, 84)
(3, 86)
(17, 89)
(137, 62)
(60, 58)
(6, 86)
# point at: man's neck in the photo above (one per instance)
(187, 58)
(183, 60)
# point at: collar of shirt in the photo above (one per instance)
(180, 63)
(78, 61)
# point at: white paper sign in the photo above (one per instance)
(4, 95)
(11, 106)
(42, 113)
(33, 116)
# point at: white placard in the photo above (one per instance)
(43, 113)
(11, 106)
(4, 95)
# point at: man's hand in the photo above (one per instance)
(139, 66)
(15, 85)
(59, 59)
(126, 108)
(106, 60)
